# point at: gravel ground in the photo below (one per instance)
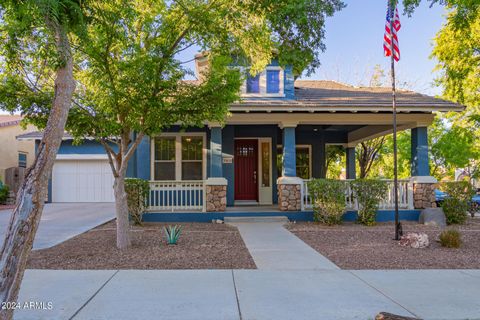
(353, 246)
(201, 246)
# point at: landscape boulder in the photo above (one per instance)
(433, 217)
(415, 240)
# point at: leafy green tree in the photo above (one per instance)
(451, 146)
(131, 82)
(334, 161)
(35, 49)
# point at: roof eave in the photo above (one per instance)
(262, 107)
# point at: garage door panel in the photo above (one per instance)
(82, 181)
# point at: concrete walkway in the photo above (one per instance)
(250, 294)
(275, 248)
(62, 221)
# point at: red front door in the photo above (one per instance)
(245, 162)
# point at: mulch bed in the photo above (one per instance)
(201, 246)
(353, 246)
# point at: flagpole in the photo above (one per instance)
(394, 112)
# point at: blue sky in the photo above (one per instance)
(354, 40)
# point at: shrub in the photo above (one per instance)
(450, 239)
(173, 233)
(3, 193)
(368, 193)
(137, 194)
(457, 202)
(328, 200)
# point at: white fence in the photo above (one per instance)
(176, 195)
(405, 196)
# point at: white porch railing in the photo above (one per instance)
(176, 195)
(405, 196)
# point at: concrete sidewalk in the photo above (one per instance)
(272, 247)
(251, 294)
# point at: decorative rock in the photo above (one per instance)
(216, 198)
(433, 217)
(414, 240)
(424, 195)
(289, 197)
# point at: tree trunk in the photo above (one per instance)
(31, 196)
(121, 210)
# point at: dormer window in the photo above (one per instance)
(273, 81)
(268, 83)
(253, 84)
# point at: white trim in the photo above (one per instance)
(266, 191)
(216, 182)
(423, 179)
(178, 152)
(82, 157)
(290, 180)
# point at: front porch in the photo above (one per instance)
(171, 196)
(231, 168)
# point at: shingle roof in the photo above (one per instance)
(38, 135)
(9, 120)
(323, 95)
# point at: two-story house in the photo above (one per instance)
(273, 140)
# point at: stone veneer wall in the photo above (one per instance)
(289, 197)
(424, 195)
(216, 196)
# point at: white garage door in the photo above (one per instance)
(82, 181)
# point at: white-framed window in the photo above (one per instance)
(179, 156)
(303, 161)
(164, 158)
(268, 83)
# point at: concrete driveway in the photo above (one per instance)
(62, 221)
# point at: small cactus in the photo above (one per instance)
(173, 233)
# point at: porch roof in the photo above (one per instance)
(323, 95)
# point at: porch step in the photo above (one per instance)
(256, 219)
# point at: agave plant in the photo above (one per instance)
(173, 233)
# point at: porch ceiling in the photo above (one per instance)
(347, 120)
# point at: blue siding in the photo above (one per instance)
(289, 152)
(350, 216)
(228, 150)
(142, 159)
(216, 152)
(86, 147)
(288, 83)
(420, 165)
(351, 174)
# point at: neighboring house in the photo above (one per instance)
(13, 152)
(273, 140)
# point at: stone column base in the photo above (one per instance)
(216, 194)
(424, 192)
(289, 193)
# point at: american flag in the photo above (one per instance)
(387, 47)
